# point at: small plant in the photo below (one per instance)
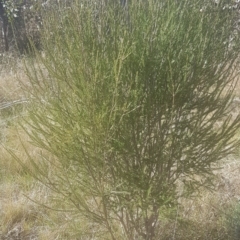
(128, 102)
(233, 221)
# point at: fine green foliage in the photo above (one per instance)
(129, 102)
(232, 216)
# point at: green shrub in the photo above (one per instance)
(132, 101)
(232, 221)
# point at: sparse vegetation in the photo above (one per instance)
(124, 116)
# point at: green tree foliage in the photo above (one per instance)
(130, 102)
(22, 22)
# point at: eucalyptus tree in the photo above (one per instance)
(5, 23)
(21, 22)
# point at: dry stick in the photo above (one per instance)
(12, 103)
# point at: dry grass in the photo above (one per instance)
(210, 213)
(21, 213)
(21, 218)
(206, 217)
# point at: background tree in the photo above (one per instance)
(4, 18)
(21, 23)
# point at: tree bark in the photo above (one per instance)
(4, 18)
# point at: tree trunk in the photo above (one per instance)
(4, 18)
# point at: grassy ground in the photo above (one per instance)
(20, 217)
(213, 215)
